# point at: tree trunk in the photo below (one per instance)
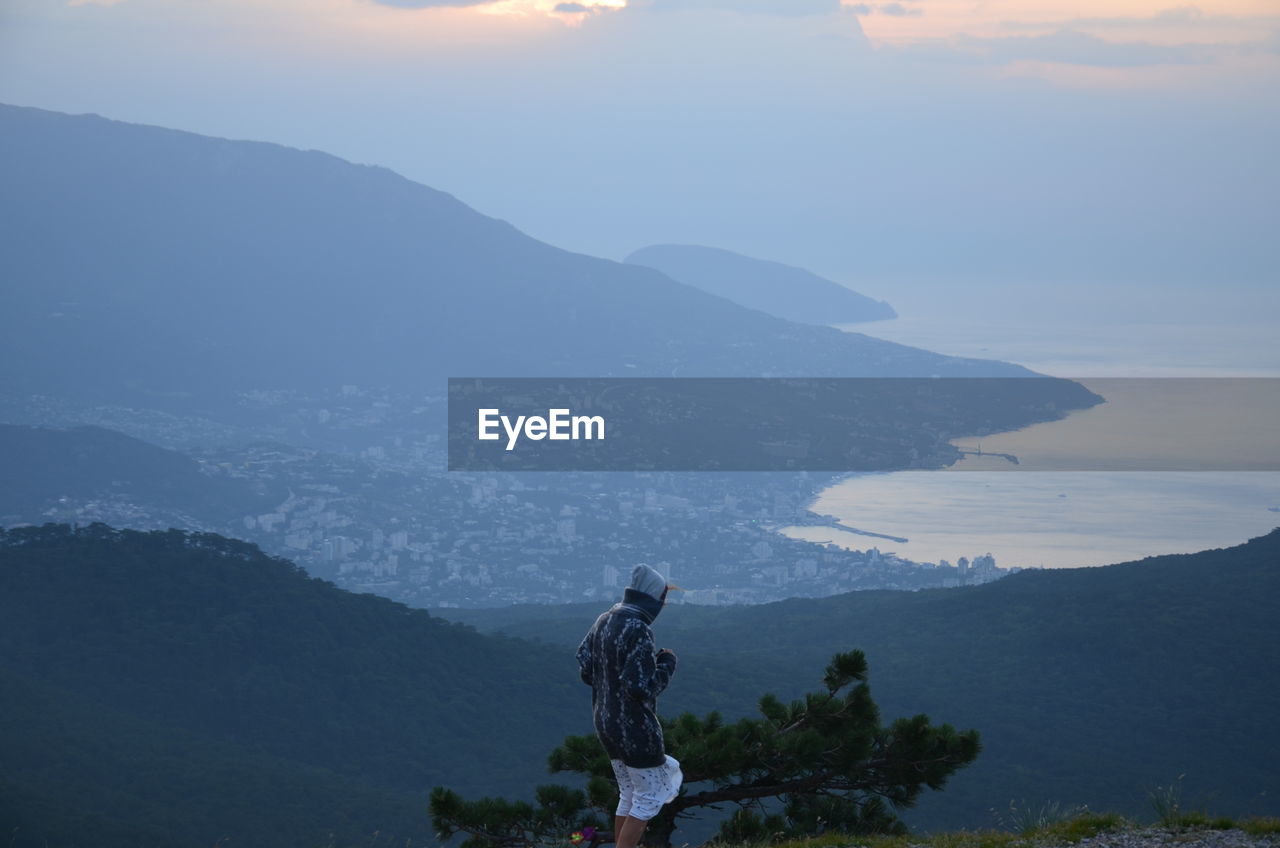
(661, 826)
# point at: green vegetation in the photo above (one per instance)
(1261, 826)
(1167, 801)
(1088, 684)
(78, 773)
(177, 689)
(180, 689)
(824, 760)
(42, 465)
(1022, 817)
(1082, 825)
(1079, 825)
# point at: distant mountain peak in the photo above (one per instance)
(142, 261)
(781, 290)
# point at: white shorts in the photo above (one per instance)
(642, 792)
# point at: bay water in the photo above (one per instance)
(1061, 519)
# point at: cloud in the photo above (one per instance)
(1177, 16)
(895, 9)
(789, 8)
(571, 8)
(1065, 46)
(1272, 44)
(898, 10)
(432, 4)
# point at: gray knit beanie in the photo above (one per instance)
(645, 579)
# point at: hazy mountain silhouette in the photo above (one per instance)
(782, 290)
(44, 464)
(158, 262)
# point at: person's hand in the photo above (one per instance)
(667, 651)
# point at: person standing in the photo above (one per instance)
(617, 660)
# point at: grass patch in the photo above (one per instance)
(1028, 818)
(1083, 826)
(1260, 826)
(975, 839)
(1198, 820)
(1166, 801)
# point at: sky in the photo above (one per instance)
(909, 147)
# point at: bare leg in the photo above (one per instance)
(628, 836)
(618, 822)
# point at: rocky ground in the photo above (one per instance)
(1152, 836)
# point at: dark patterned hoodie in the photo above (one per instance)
(617, 661)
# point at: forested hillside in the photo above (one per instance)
(191, 686)
(185, 688)
(1088, 685)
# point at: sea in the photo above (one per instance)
(1120, 342)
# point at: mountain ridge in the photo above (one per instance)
(253, 264)
(1150, 668)
(81, 463)
(1086, 696)
(789, 292)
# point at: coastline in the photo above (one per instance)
(1157, 496)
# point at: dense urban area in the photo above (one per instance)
(367, 505)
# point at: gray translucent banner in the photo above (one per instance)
(863, 424)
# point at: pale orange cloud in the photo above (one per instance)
(1150, 21)
(1096, 44)
(569, 8)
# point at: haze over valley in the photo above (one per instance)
(1001, 276)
